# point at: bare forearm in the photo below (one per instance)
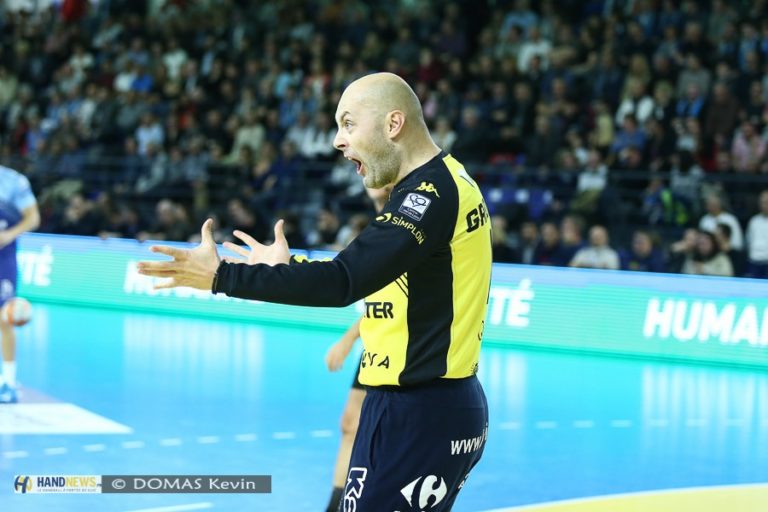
(30, 221)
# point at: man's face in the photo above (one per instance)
(598, 237)
(362, 138)
(642, 244)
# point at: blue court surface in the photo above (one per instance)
(108, 392)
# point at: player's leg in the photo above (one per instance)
(415, 448)
(8, 334)
(350, 420)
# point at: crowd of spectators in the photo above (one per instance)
(585, 121)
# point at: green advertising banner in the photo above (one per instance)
(687, 318)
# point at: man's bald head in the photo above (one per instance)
(382, 93)
(382, 129)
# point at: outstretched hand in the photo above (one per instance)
(195, 268)
(256, 252)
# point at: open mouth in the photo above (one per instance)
(358, 164)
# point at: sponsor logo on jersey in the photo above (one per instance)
(378, 309)
(403, 223)
(414, 205)
(427, 187)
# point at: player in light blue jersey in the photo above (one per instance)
(18, 214)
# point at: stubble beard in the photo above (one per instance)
(383, 165)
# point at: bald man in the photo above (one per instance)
(423, 267)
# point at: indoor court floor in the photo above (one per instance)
(109, 392)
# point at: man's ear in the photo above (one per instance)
(395, 123)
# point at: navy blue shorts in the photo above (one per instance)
(8, 276)
(416, 446)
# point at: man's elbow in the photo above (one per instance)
(33, 221)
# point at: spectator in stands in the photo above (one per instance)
(717, 215)
(642, 255)
(149, 132)
(443, 134)
(630, 135)
(722, 113)
(754, 102)
(318, 142)
(749, 149)
(534, 46)
(325, 231)
(637, 102)
(738, 259)
(707, 258)
(542, 145)
(549, 250)
(78, 218)
(592, 180)
(757, 240)
(598, 254)
(526, 244)
(572, 229)
(502, 248)
(691, 103)
(170, 222)
(248, 220)
(473, 138)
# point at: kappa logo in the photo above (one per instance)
(430, 493)
(355, 486)
(414, 205)
(427, 187)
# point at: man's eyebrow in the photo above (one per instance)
(341, 117)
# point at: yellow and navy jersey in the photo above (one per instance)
(423, 267)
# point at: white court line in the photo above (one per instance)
(171, 441)
(695, 422)
(176, 508)
(321, 433)
(18, 454)
(546, 425)
(245, 437)
(56, 451)
(128, 445)
(735, 422)
(95, 447)
(658, 422)
(208, 439)
(621, 423)
(284, 435)
(510, 425)
(583, 424)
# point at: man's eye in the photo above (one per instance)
(347, 124)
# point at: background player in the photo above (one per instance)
(18, 214)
